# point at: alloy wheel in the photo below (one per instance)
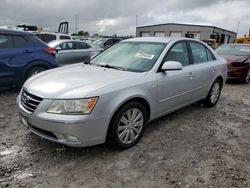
(130, 125)
(215, 92)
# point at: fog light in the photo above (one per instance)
(70, 138)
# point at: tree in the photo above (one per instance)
(81, 33)
(86, 33)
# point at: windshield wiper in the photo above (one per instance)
(113, 67)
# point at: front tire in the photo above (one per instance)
(127, 126)
(214, 94)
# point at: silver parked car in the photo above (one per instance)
(73, 51)
(120, 90)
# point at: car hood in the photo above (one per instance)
(75, 81)
(230, 58)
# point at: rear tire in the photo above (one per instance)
(127, 126)
(33, 71)
(214, 94)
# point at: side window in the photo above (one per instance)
(198, 52)
(48, 38)
(19, 41)
(210, 56)
(81, 45)
(67, 46)
(116, 40)
(5, 41)
(109, 42)
(64, 37)
(178, 52)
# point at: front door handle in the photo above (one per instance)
(190, 75)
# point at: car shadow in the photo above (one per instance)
(36, 143)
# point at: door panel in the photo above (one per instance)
(202, 69)
(82, 51)
(66, 54)
(175, 89)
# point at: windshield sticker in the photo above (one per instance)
(145, 56)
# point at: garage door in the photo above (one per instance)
(175, 34)
(145, 34)
(160, 34)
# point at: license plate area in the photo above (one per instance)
(24, 120)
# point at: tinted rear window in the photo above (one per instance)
(5, 41)
(46, 37)
(64, 37)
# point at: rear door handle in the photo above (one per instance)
(213, 69)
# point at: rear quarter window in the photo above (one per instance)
(19, 41)
(210, 56)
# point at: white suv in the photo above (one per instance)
(50, 36)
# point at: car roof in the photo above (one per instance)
(66, 40)
(150, 39)
(15, 32)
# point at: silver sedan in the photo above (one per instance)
(72, 51)
(111, 98)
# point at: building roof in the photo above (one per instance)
(194, 25)
(150, 39)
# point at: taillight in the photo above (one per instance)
(50, 50)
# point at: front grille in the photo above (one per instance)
(30, 101)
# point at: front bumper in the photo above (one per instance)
(237, 73)
(71, 130)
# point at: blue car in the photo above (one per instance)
(22, 55)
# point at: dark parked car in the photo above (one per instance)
(106, 42)
(22, 55)
(238, 58)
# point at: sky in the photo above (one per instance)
(108, 17)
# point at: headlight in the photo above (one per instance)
(72, 106)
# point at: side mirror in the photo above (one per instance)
(58, 49)
(171, 66)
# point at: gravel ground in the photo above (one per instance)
(194, 147)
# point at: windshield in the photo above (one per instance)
(131, 56)
(236, 50)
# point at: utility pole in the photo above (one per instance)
(136, 23)
(76, 23)
(238, 27)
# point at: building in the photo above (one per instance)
(200, 32)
